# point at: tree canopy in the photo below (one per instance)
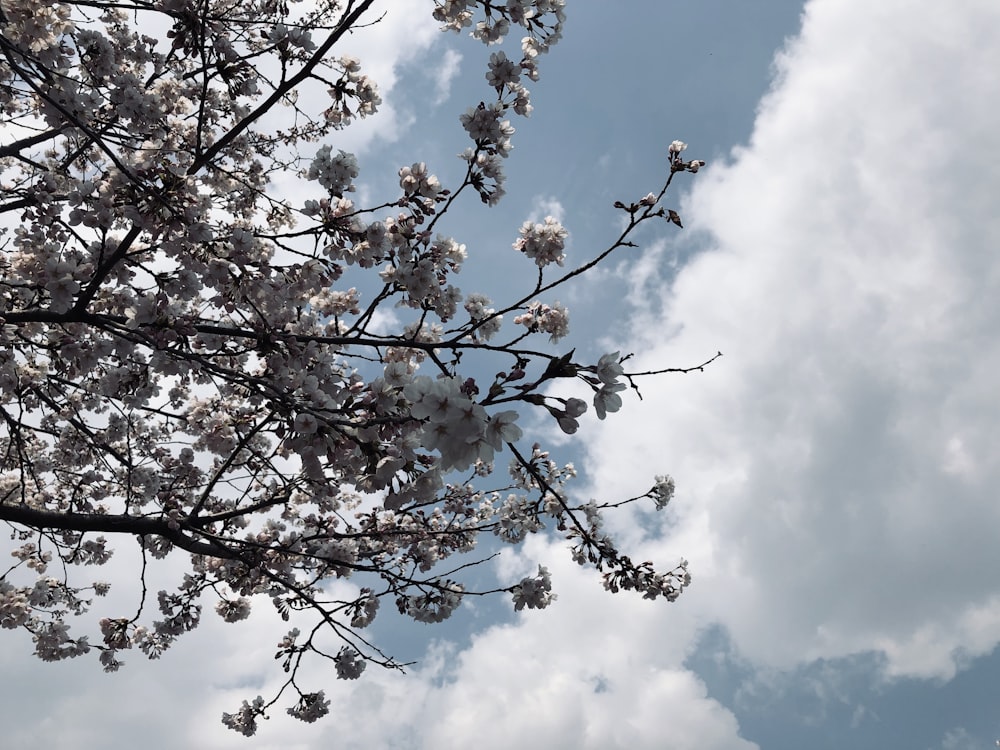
(282, 386)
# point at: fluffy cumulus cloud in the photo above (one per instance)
(837, 468)
(586, 673)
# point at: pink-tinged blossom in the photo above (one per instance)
(416, 180)
(534, 592)
(663, 491)
(544, 243)
(233, 610)
(245, 720)
(552, 319)
(335, 173)
(311, 706)
(502, 72)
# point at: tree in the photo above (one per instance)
(184, 363)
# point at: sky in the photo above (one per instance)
(836, 468)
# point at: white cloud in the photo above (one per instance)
(588, 672)
(835, 469)
(960, 739)
(403, 32)
(451, 65)
(547, 205)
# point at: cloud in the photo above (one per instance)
(835, 468)
(545, 206)
(960, 739)
(587, 672)
(451, 65)
(403, 34)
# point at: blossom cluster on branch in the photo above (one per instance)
(184, 362)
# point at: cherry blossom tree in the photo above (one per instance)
(282, 388)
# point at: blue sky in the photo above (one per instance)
(836, 469)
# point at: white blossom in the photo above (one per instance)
(663, 491)
(311, 706)
(607, 399)
(534, 592)
(502, 72)
(233, 610)
(335, 173)
(349, 664)
(609, 368)
(544, 243)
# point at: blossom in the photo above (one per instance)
(609, 368)
(245, 720)
(607, 399)
(575, 407)
(568, 424)
(305, 423)
(335, 173)
(311, 706)
(366, 609)
(663, 491)
(487, 322)
(484, 125)
(534, 592)
(501, 429)
(552, 319)
(502, 72)
(415, 180)
(233, 610)
(435, 605)
(543, 242)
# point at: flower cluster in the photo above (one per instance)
(311, 706)
(349, 664)
(233, 610)
(606, 398)
(663, 491)
(679, 165)
(353, 94)
(552, 319)
(534, 592)
(487, 321)
(543, 243)
(435, 605)
(244, 721)
(485, 126)
(335, 173)
(416, 180)
(543, 21)
(455, 426)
